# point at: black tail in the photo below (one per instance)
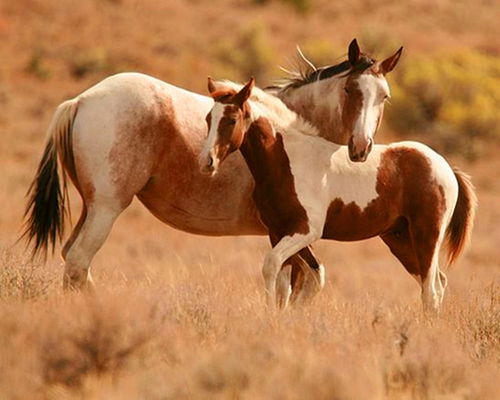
(45, 209)
(45, 212)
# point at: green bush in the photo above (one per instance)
(451, 99)
(94, 60)
(247, 54)
(36, 65)
(321, 52)
(301, 6)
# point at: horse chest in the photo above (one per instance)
(275, 193)
(281, 217)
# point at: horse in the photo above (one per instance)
(307, 188)
(134, 135)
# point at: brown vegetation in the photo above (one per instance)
(179, 316)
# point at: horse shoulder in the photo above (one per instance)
(309, 160)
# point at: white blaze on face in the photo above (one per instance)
(374, 90)
(208, 149)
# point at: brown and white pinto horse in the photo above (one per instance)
(134, 135)
(306, 188)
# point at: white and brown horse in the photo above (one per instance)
(307, 188)
(134, 135)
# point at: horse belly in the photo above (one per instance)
(200, 211)
(181, 196)
(348, 222)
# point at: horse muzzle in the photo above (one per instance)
(359, 153)
(208, 165)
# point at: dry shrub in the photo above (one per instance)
(301, 6)
(430, 366)
(36, 65)
(452, 100)
(478, 324)
(65, 341)
(247, 54)
(22, 278)
(93, 61)
(206, 334)
(378, 41)
(100, 342)
(321, 52)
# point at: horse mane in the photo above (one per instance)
(308, 73)
(271, 107)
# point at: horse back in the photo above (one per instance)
(119, 133)
(406, 181)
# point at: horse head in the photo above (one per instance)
(227, 123)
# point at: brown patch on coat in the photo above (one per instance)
(139, 146)
(407, 213)
(274, 193)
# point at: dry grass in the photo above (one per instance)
(178, 316)
(205, 333)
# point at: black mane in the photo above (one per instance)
(317, 74)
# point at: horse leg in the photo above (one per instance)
(427, 243)
(284, 283)
(434, 284)
(86, 239)
(308, 279)
(419, 252)
(274, 260)
(283, 286)
(300, 279)
(302, 276)
(75, 232)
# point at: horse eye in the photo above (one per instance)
(346, 90)
(231, 121)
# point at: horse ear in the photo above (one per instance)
(211, 85)
(389, 63)
(354, 52)
(245, 92)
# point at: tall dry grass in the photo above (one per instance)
(205, 333)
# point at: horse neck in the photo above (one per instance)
(264, 152)
(320, 104)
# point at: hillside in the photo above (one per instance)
(180, 316)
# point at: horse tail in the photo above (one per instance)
(459, 229)
(46, 208)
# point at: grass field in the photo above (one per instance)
(178, 316)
